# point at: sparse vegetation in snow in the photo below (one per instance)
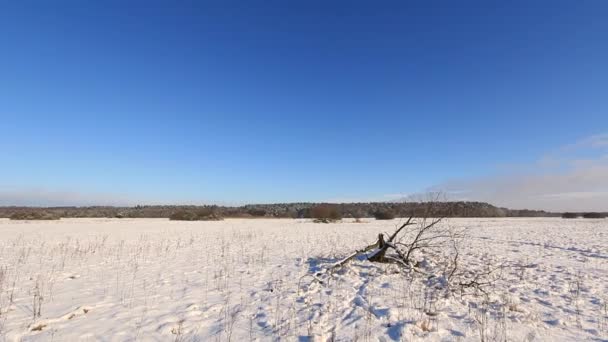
(239, 279)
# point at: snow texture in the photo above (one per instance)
(241, 280)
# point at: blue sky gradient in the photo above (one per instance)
(234, 102)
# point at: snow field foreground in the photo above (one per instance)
(242, 280)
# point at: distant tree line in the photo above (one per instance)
(34, 215)
(196, 214)
(379, 210)
(591, 215)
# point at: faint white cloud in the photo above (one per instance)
(594, 141)
(396, 197)
(562, 180)
(47, 198)
(351, 200)
(42, 197)
(427, 196)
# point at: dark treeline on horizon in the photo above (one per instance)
(288, 210)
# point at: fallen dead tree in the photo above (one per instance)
(427, 248)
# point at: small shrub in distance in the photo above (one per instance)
(384, 215)
(200, 214)
(325, 213)
(257, 212)
(183, 215)
(570, 215)
(594, 215)
(34, 215)
(357, 214)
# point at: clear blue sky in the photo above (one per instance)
(196, 101)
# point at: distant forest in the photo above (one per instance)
(287, 210)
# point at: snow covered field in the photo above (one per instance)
(241, 280)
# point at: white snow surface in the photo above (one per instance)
(243, 280)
